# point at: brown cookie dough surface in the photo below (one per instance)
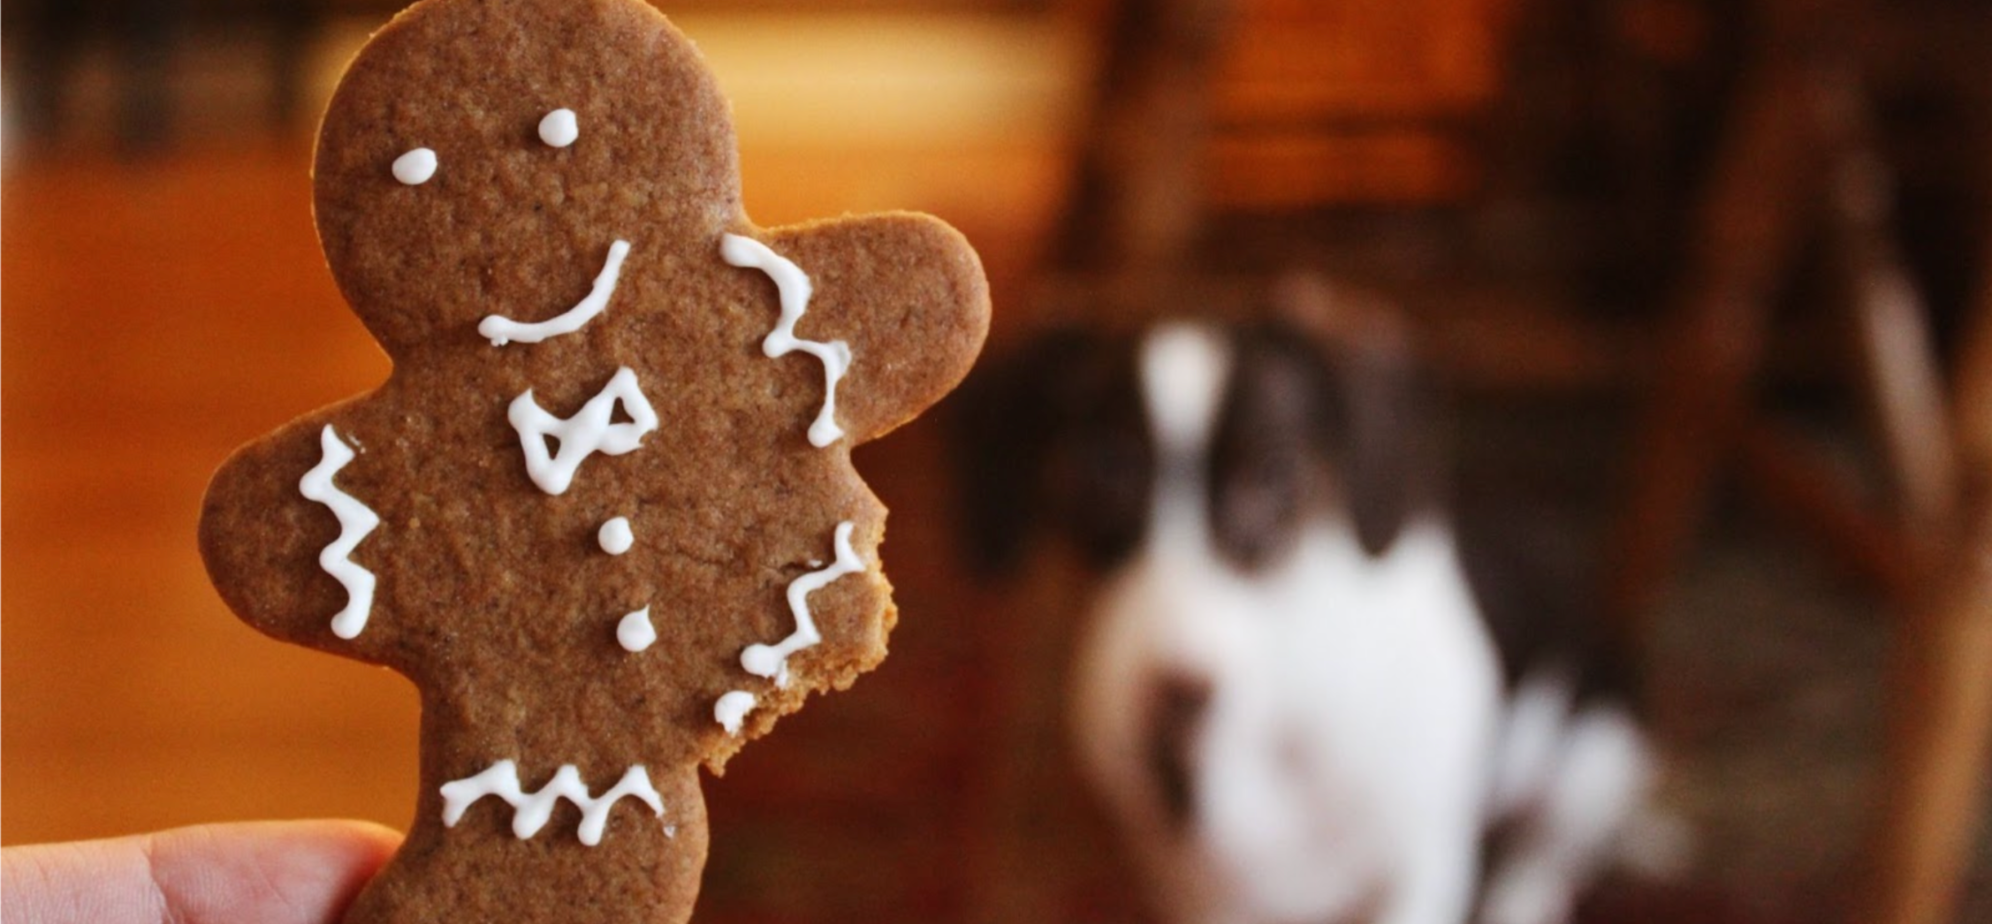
(504, 593)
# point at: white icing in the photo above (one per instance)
(1184, 368)
(732, 709)
(559, 129)
(615, 536)
(415, 167)
(587, 432)
(502, 330)
(355, 522)
(531, 810)
(635, 632)
(772, 660)
(793, 285)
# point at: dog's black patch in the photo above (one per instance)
(1264, 459)
(1175, 713)
(1055, 435)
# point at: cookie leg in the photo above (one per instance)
(644, 870)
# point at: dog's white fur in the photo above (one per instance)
(1355, 742)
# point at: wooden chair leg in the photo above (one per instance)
(1903, 382)
(1939, 749)
(1137, 198)
(1748, 232)
(1822, 505)
(1939, 702)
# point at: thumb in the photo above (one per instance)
(275, 872)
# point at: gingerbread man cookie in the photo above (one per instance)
(603, 512)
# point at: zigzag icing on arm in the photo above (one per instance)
(587, 432)
(531, 810)
(793, 285)
(502, 330)
(356, 520)
(772, 660)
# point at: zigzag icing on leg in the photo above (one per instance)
(531, 810)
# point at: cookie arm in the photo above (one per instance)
(286, 544)
(906, 292)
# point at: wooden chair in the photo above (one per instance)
(1800, 158)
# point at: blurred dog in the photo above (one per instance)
(1309, 691)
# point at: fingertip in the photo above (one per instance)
(363, 842)
(281, 872)
(286, 872)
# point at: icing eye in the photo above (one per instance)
(415, 167)
(559, 129)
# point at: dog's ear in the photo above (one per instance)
(1001, 434)
(1052, 434)
(1377, 425)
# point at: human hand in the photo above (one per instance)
(272, 872)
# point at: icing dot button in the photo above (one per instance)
(731, 710)
(615, 536)
(635, 632)
(415, 167)
(559, 128)
(761, 660)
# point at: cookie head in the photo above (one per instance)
(480, 156)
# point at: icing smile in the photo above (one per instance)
(502, 330)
